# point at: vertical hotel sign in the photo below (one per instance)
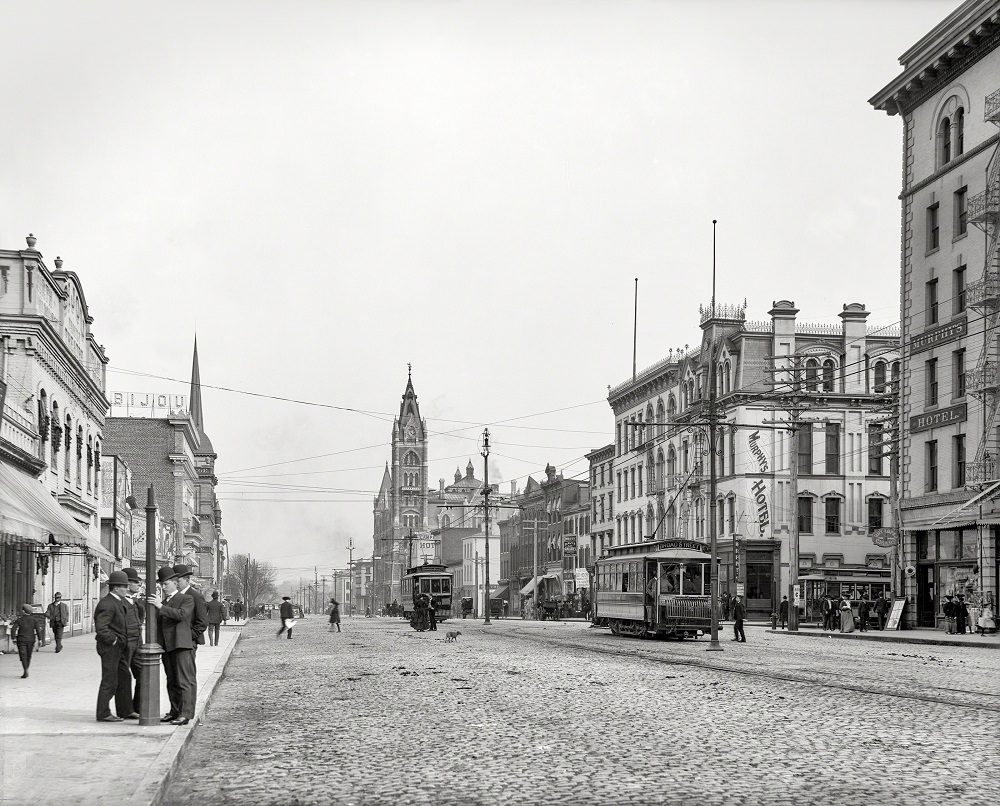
(758, 488)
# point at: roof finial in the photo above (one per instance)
(409, 371)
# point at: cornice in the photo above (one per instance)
(971, 38)
(12, 454)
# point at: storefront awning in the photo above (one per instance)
(503, 592)
(527, 589)
(29, 513)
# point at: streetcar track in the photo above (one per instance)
(530, 635)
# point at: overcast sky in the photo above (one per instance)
(325, 191)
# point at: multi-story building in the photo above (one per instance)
(545, 532)
(948, 98)
(52, 408)
(836, 379)
(602, 501)
(174, 455)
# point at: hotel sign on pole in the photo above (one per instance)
(939, 335)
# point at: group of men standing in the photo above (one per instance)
(181, 620)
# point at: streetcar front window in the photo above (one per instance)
(425, 586)
(445, 585)
(692, 581)
(435, 586)
(670, 578)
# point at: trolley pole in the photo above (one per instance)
(486, 517)
(350, 564)
(713, 531)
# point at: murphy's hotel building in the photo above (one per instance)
(948, 98)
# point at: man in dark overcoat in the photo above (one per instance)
(135, 618)
(58, 615)
(287, 613)
(111, 632)
(200, 622)
(174, 616)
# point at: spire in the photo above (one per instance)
(195, 397)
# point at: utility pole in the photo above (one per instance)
(793, 403)
(713, 504)
(486, 514)
(315, 603)
(475, 582)
(534, 577)
(323, 578)
(350, 564)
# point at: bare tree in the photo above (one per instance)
(252, 580)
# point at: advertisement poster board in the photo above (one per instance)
(892, 623)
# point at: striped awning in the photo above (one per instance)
(28, 513)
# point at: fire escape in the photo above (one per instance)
(984, 296)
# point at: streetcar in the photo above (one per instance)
(655, 589)
(432, 581)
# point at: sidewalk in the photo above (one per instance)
(52, 748)
(933, 637)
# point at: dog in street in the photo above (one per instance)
(452, 636)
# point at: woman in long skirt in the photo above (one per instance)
(334, 614)
(846, 616)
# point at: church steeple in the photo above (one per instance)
(205, 446)
(195, 396)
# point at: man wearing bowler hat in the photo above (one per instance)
(200, 622)
(135, 616)
(111, 632)
(174, 615)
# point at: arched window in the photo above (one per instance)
(959, 148)
(828, 373)
(411, 459)
(671, 461)
(445, 521)
(660, 480)
(650, 522)
(660, 419)
(944, 141)
(671, 407)
(56, 435)
(728, 375)
(79, 456)
(97, 468)
(895, 376)
(812, 375)
(90, 463)
(879, 377)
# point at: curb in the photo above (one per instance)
(154, 783)
(886, 639)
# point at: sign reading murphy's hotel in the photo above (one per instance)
(939, 335)
(939, 418)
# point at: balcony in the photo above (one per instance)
(984, 293)
(982, 379)
(980, 472)
(984, 208)
(992, 105)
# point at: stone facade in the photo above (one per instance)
(52, 395)
(948, 98)
(840, 375)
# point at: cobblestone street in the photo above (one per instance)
(542, 712)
